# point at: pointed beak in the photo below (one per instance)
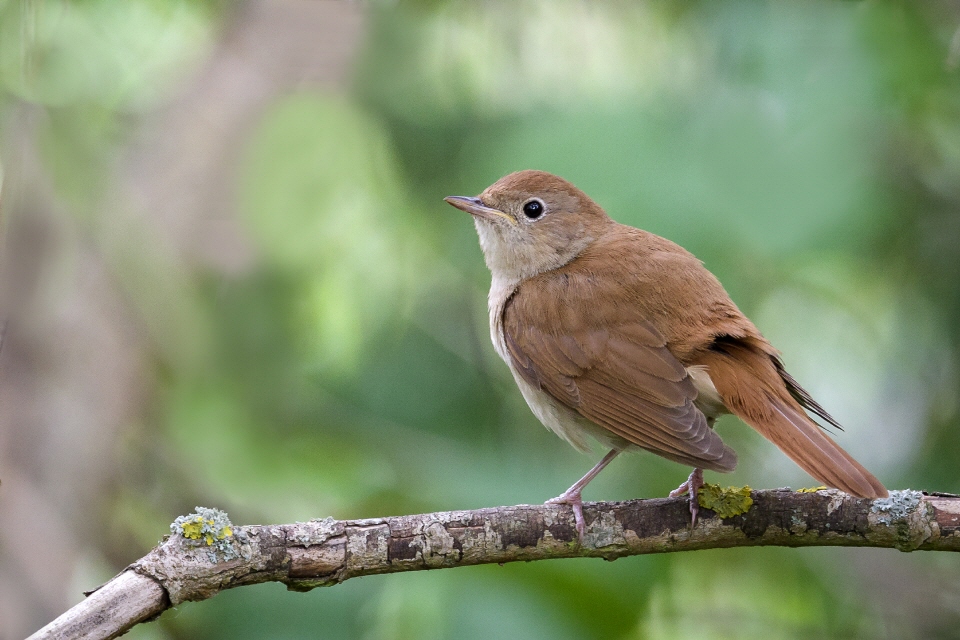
(475, 207)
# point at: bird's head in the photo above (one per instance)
(530, 222)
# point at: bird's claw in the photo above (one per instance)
(576, 503)
(691, 487)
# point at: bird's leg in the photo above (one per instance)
(572, 495)
(692, 487)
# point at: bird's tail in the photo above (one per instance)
(750, 385)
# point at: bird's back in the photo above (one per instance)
(644, 275)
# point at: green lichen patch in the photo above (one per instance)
(726, 503)
(812, 489)
(205, 526)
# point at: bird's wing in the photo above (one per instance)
(613, 367)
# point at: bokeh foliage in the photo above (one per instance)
(809, 153)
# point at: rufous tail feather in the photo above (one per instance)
(751, 388)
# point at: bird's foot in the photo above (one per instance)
(692, 488)
(573, 499)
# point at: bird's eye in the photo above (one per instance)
(533, 209)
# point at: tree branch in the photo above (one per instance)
(327, 552)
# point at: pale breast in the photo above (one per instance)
(500, 292)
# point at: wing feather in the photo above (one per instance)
(620, 375)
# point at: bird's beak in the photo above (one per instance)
(475, 207)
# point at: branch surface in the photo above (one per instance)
(326, 552)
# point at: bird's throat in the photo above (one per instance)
(513, 254)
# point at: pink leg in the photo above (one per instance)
(691, 487)
(572, 495)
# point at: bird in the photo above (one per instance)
(616, 334)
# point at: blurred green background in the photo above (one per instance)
(231, 281)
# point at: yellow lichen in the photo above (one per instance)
(811, 489)
(726, 503)
(191, 530)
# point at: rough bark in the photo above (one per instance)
(326, 552)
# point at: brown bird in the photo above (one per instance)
(619, 334)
